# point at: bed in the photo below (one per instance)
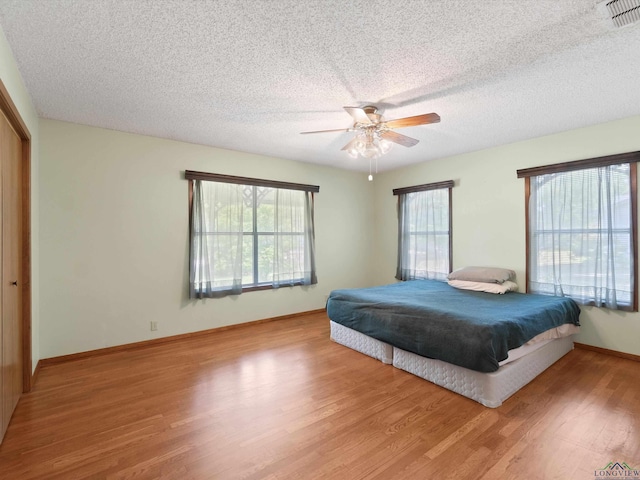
(481, 345)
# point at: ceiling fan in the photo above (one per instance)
(375, 134)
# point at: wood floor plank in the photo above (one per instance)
(280, 400)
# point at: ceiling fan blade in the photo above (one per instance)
(327, 131)
(412, 121)
(351, 144)
(359, 115)
(398, 138)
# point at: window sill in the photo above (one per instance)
(220, 293)
(268, 287)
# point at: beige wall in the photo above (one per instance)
(113, 230)
(15, 86)
(114, 237)
(488, 211)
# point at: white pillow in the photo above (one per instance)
(483, 274)
(506, 286)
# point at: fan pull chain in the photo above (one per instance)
(370, 174)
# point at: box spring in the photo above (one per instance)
(361, 342)
(489, 389)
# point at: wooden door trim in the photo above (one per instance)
(15, 119)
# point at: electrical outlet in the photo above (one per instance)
(154, 326)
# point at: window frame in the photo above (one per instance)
(191, 175)
(618, 159)
(447, 184)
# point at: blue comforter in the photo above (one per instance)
(428, 317)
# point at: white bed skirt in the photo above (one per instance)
(489, 389)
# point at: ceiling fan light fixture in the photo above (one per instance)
(371, 151)
(368, 144)
(375, 136)
(385, 146)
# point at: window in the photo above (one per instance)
(581, 231)
(249, 234)
(424, 231)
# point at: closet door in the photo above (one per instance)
(11, 297)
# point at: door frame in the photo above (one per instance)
(13, 115)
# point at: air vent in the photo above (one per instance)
(622, 12)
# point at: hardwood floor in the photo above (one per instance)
(280, 400)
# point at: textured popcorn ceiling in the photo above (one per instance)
(250, 75)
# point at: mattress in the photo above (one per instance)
(489, 389)
(474, 330)
(539, 340)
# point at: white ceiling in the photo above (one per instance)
(250, 75)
